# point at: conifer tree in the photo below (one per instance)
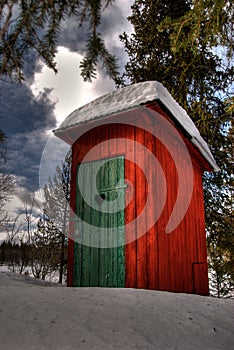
(188, 47)
(44, 249)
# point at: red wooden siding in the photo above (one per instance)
(156, 260)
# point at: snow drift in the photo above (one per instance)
(41, 315)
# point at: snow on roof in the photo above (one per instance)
(128, 98)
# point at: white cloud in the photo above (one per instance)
(69, 91)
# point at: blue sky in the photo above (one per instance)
(30, 111)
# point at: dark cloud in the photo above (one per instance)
(113, 20)
(25, 121)
(72, 35)
(31, 65)
(113, 24)
(21, 112)
(25, 157)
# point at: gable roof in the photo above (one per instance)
(131, 97)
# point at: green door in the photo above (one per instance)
(99, 243)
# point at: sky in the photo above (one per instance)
(30, 111)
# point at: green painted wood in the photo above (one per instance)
(113, 257)
(77, 265)
(86, 217)
(110, 190)
(94, 252)
(102, 267)
(78, 234)
(120, 223)
(102, 183)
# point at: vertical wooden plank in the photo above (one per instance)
(152, 272)
(140, 204)
(116, 148)
(87, 212)
(130, 212)
(179, 267)
(162, 258)
(94, 267)
(200, 282)
(163, 275)
(188, 240)
(112, 223)
(109, 221)
(95, 136)
(77, 264)
(98, 136)
(173, 244)
(120, 222)
(78, 231)
(94, 251)
(103, 178)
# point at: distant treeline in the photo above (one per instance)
(41, 261)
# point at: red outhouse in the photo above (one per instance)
(136, 193)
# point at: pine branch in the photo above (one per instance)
(95, 51)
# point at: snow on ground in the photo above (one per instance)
(41, 315)
(52, 277)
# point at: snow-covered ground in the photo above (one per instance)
(51, 277)
(41, 315)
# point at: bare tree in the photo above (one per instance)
(6, 179)
(56, 205)
(18, 255)
(19, 231)
(45, 254)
